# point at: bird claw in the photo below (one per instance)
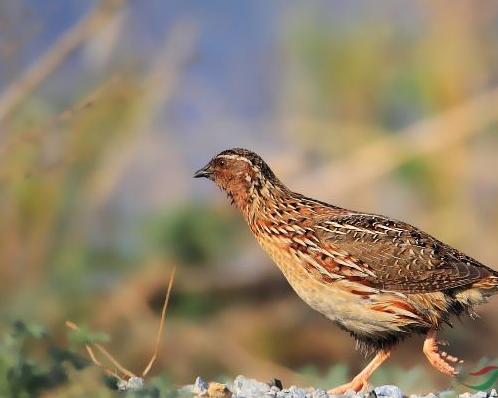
(438, 358)
(448, 357)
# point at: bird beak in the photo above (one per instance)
(204, 172)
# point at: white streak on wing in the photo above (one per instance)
(331, 231)
(389, 228)
(351, 227)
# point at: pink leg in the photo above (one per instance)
(361, 380)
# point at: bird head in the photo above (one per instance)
(242, 174)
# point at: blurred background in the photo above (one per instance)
(108, 107)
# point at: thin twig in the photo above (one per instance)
(161, 325)
(110, 358)
(104, 352)
(92, 355)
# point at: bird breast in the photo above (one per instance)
(338, 300)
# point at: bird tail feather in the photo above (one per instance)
(489, 286)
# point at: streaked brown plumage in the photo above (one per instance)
(377, 278)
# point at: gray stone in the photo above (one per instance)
(389, 391)
(243, 387)
(249, 388)
(133, 383)
(319, 393)
(200, 386)
(297, 392)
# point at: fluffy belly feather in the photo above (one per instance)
(335, 300)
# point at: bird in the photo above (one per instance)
(375, 277)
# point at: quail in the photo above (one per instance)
(379, 279)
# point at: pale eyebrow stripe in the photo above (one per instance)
(244, 159)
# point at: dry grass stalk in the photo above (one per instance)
(161, 325)
(127, 374)
(104, 352)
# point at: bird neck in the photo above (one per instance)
(259, 200)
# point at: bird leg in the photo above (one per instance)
(439, 359)
(360, 381)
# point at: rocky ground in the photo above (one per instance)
(243, 387)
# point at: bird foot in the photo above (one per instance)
(357, 384)
(360, 381)
(439, 359)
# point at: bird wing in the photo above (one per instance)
(395, 256)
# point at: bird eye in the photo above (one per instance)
(221, 163)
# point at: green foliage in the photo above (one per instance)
(31, 364)
(183, 234)
(195, 305)
(29, 329)
(24, 374)
(84, 336)
(416, 171)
